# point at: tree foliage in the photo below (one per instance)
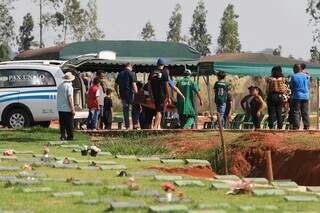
(200, 38)
(4, 52)
(148, 32)
(174, 34)
(25, 38)
(228, 41)
(93, 32)
(7, 33)
(313, 9)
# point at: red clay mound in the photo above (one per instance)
(265, 140)
(195, 171)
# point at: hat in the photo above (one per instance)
(68, 76)
(161, 61)
(187, 72)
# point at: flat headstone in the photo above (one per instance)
(58, 180)
(172, 161)
(113, 167)
(33, 174)
(126, 156)
(148, 159)
(84, 161)
(257, 180)
(227, 177)
(220, 186)
(97, 201)
(285, 184)
(214, 206)
(105, 154)
(13, 158)
(174, 200)
(197, 162)
(76, 150)
(127, 205)
(268, 207)
(68, 194)
(87, 182)
(168, 208)
(301, 199)
(7, 178)
(104, 162)
(37, 190)
(70, 146)
(9, 168)
(23, 182)
(22, 211)
(65, 166)
(268, 192)
(29, 160)
(95, 168)
(313, 189)
(145, 174)
(167, 178)
(117, 187)
(207, 211)
(23, 152)
(247, 208)
(146, 193)
(189, 183)
(56, 143)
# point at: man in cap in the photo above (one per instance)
(125, 87)
(159, 83)
(186, 109)
(65, 107)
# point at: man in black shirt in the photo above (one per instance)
(159, 82)
(125, 87)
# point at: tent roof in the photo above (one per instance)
(253, 64)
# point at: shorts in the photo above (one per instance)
(159, 104)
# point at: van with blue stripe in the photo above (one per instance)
(28, 93)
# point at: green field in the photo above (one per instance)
(12, 197)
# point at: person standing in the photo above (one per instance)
(159, 83)
(65, 105)
(300, 84)
(221, 89)
(185, 103)
(125, 88)
(276, 89)
(228, 112)
(93, 104)
(108, 110)
(102, 91)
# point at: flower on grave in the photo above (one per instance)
(45, 150)
(94, 148)
(132, 184)
(168, 187)
(181, 195)
(27, 167)
(70, 179)
(66, 161)
(8, 152)
(241, 187)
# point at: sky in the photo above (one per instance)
(262, 23)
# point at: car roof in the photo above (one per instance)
(53, 69)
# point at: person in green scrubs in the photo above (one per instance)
(186, 108)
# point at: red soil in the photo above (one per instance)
(195, 171)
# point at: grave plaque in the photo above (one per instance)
(68, 194)
(168, 208)
(268, 192)
(189, 183)
(220, 186)
(167, 178)
(37, 190)
(9, 168)
(172, 161)
(227, 177)
(126, 156)
(146, 193)
(301, 199)
(197, 162)
(113, 167)
(148, 159)
(127, 205)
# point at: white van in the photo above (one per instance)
(28, 93)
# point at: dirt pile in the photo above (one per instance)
(195, 171)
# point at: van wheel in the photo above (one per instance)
(18, 118)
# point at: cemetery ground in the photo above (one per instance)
(53, 186)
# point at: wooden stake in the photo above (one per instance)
(223, 146)
(269, 166)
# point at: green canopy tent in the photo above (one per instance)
(255, 64)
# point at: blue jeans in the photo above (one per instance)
(125, 110)
(221, 109)
(93, 119)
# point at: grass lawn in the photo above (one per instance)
(12, 198)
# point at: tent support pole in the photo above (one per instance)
(209, 96)
(318, 103)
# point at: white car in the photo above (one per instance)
(28, 93)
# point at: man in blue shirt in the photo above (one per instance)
(300, 84)
(125, 88)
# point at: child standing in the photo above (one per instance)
(108, 110)
(257, 105)
(221, 89)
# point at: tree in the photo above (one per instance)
(93, 31)
(175, 24)
(228, 41)
(200, 39)
(25, 38)
(4, 52)
(313, 9)
(277, 51)
(7, 33)
(148, 32)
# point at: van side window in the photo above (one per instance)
(25, 78)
